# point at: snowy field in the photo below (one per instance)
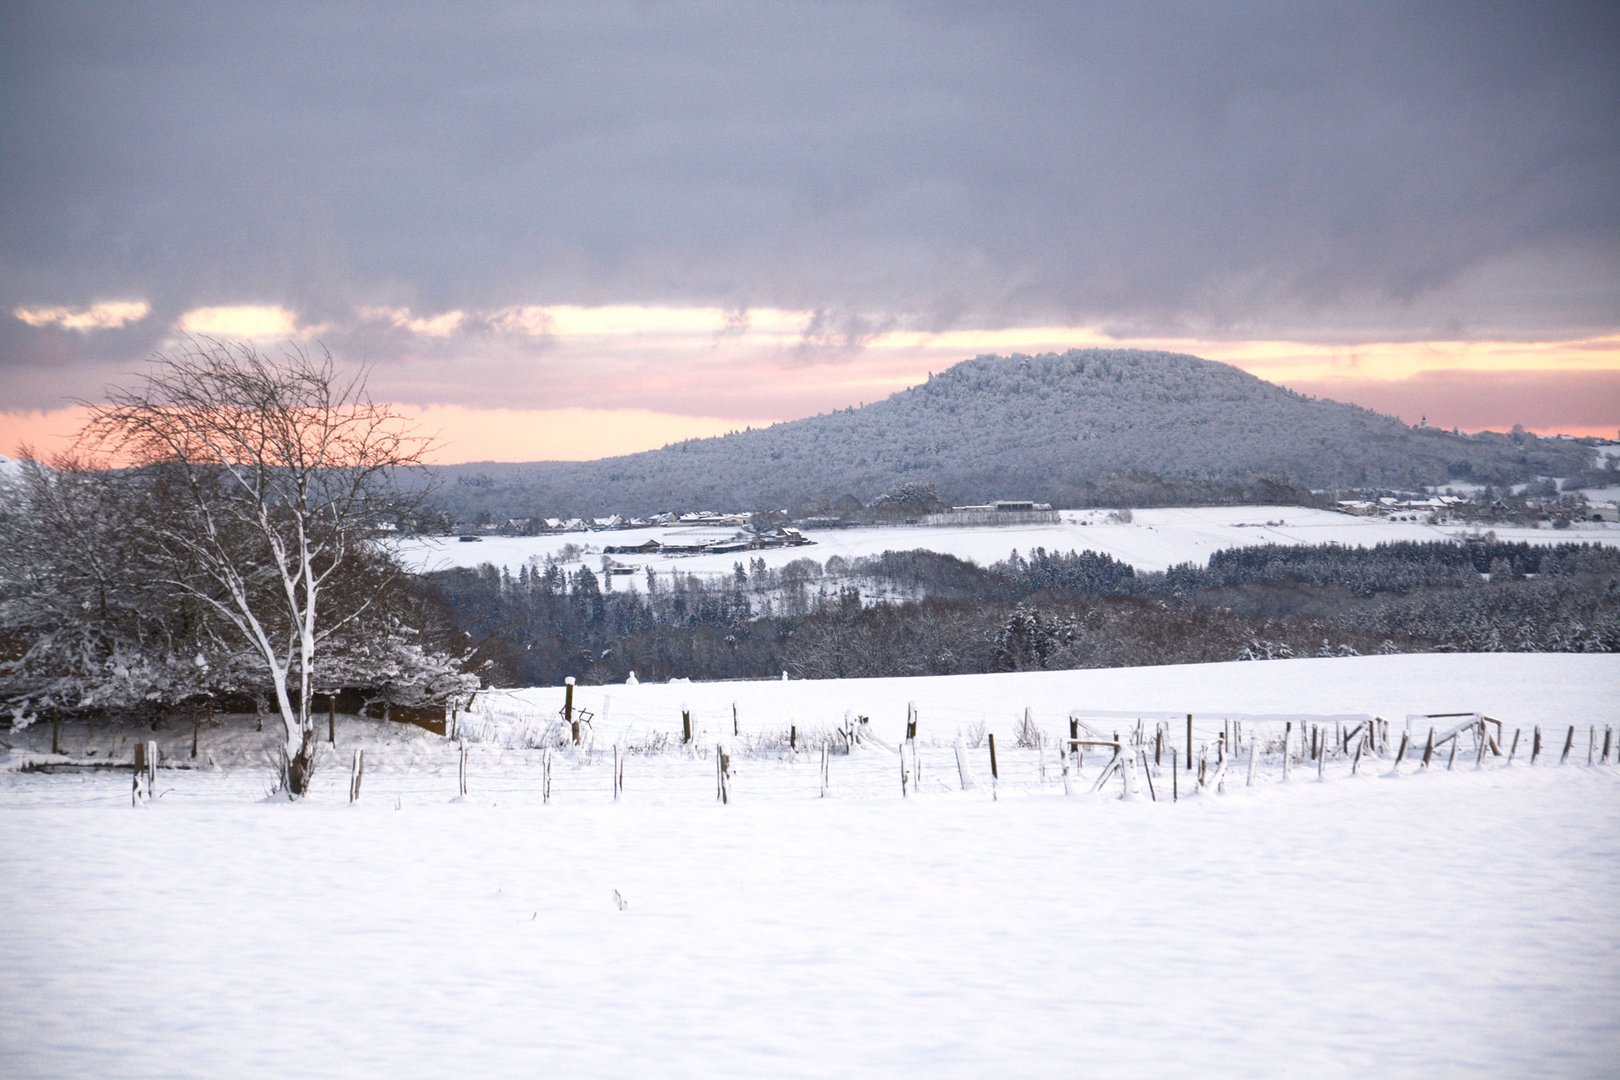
(1152, 540)
(1410, 923)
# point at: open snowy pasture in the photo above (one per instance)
(1446, 924)
(1406, 922)
(1151, 540)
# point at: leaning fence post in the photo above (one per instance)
(962, 765)
(1428, 748)
(356, 771)
(1400, 754)
(995, 774)
(1568, 742)
(1535, 744)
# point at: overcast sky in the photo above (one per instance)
(678, 218)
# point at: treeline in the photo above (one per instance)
(921, 613)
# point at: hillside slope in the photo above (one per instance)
(1068, 429)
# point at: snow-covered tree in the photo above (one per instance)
(84, 620)
(279, 473)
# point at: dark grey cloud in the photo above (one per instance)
(1248, 169)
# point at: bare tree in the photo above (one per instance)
(281, 473)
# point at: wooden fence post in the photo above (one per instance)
(793, 738)
(1568, 742)
(463, 771)
(618, 772)
(1515, 749)
(686, 725)
(1535, 743)
(1189, 742)
(545, 775)
(567, 710)
(1175, 781)
(144, 784)
(357, 769)
(1252, 749)
(962, 765)
(1608, 737)
(995, 774)
(1400, 754)
(826, 758)
(1288, 739)
(196, 735)
(331, 721)
(1428, 748)
(911, 721)
(722, 762)
(736, 725)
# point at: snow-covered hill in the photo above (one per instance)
(1083, 428)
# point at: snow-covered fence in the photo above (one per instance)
(855, 764)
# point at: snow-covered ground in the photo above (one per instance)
(1426, 923)
(1152, 540)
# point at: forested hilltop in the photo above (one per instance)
(1088, 427)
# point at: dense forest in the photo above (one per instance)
(1084, 428)
(920, 613)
